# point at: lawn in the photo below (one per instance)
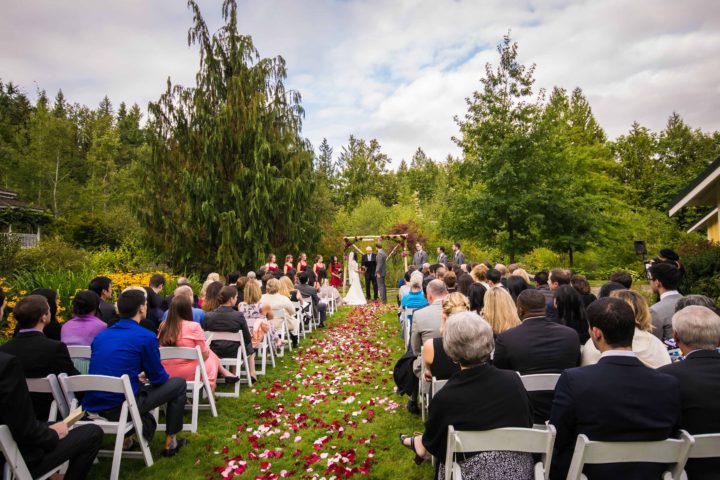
(328, 410)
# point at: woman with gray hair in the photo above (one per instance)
(478, 397)
(414, 298)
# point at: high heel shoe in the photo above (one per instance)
(418, 459)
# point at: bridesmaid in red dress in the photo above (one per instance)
(335, 272)
(288, 264)
(319, 265)
(302, 263)
(271, 266)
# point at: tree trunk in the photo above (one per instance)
(570, 256)
(55, 184)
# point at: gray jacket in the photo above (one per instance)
(419, 258)
(442, 258)
(381, 266)
(459, 258)
(662, 313)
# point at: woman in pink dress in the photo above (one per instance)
(179, 330)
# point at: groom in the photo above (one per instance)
(369, 262)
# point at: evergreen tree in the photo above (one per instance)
(363, 173)
(229, 178)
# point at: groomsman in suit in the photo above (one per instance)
(616, 400)
(696, 330)
(459, 257)
(380, 271)
(420, 257)
(441, 257)
(369, 264)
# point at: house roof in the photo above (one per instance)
(702, 191)
(8, 199)
(703, 221)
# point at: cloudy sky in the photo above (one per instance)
(398, 71)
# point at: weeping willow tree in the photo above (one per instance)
(229, 177)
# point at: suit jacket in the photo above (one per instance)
(478, 398)
(40, 356)
(107, 313)
(425, 325)
(381, 266)
(370, 263)
(419, 258)
(699, 377)
(309, 291)
(33, 437)
(442, 258)
(662, 313)
(538, 345)
(459, 258)
(617, 399)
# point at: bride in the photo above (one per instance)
(355, 295)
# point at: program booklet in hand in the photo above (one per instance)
(74, 416)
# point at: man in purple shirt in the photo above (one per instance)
(127, 348)
(85, 325)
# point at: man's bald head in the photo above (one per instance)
(436, 290)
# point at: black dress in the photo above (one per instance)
(442, 366)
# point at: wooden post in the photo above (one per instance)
(344, 285)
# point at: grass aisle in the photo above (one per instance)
(328, 410)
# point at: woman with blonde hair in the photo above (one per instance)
(478, 274)
(277, 301)
(649, 349)
(437, 363)
(257, 315)
(499, 310)
(212, 277)
(520, 272)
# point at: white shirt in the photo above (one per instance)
(617, 353)
(668, 293)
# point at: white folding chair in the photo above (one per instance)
(195, 387)
(407, 314)
(706, 445)
(80, 355)
(129, 415)
(423, 389)
(526, 440)
(311, 311)
(284, 329)
(299, 317)
(234, 363)
(50, 385)
(264, 350)
(15, 466)
(436, 386)
(540, 382)
(671, 451)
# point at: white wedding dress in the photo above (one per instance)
(355, 295)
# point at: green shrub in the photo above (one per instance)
(701, 260)
(65, 282)
(9, 249)
(50, 255)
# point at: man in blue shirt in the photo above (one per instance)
(198, 313)
(128, 348)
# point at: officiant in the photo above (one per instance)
(369, 263)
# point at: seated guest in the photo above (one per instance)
(328, 292)
(464, 280)
(476, 296)
(700, 300)
(450, 280)
(646, 346)
(479, 397)
(287, 288)
(226, 319)
(308, 291)
(103, 287)
(144, 322)
(522, 273)
(198, 314)
(126, 348)
(623, 278)
(494, 278)
(697, 332)
(210, 298)
(499, 310)
(240, 284)
(52, 329)
(541, 284)
(43, 446)
(180, 330)
(426, 320)
(478, 274)
(85, 325)
(414, 298)
(277, 301)
(608, 287)
(571, 311)
(515, 284)
(537, 345)
(405, 287)
(664, 280)
(437, 362)
(580, 283)
(556, 278)
(617, 400)
(38, 355)
(211, 278)
(257, 316)
(155, 301)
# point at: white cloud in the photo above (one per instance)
(397, 71)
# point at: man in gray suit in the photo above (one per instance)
(380, 271)
(459, 257)
(664, 280)
(420, 256)
(441, 257)
(426, 320)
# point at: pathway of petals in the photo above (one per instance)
(320, 422)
